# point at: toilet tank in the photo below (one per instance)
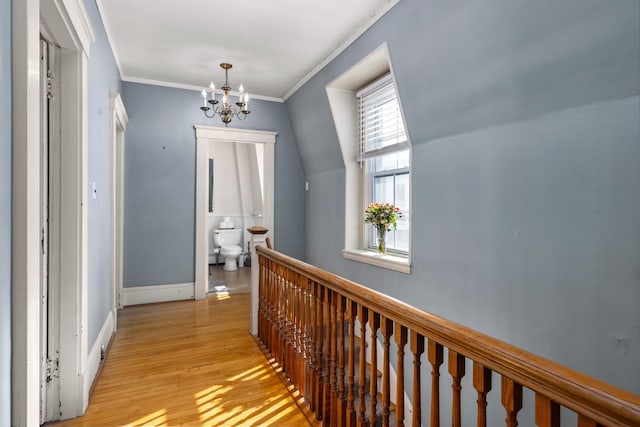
(225, 237)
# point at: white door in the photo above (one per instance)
(49, 222)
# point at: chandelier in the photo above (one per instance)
(226, 111)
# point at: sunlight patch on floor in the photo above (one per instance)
(267, 414)
(222, 295)
(158, 418)
(211, 392)
(248, 373)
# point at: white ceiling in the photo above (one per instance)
(274, 45)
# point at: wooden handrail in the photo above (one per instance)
(592, 399)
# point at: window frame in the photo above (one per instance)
(370, 177)
(343, 103)
(369, 152)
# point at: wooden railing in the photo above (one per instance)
(315, 326)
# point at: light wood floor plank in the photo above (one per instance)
(189, 363)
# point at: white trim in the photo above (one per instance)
(256, 239)
(94, 359)
(224, 134)
(107, 30)
(79, 22)
(360, 31)
(192, 87)
(157, 293)
(118, 125)
(67, 23)
(204, 136)
(25, 233)
(119, 111)
(388, 261)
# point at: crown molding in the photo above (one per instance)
(193, 87)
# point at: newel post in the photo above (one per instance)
(258, 237)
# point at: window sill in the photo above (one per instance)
(388, 261)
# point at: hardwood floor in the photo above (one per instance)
(237, 281)
(190, 363)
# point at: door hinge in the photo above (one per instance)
(49, 84)
(42, 240)
(52, 369)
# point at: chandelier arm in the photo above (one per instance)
(213, 112)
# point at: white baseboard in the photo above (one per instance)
(94, 358)
(160, 293)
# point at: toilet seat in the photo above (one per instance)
(230, 250)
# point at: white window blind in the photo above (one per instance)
(381, 126)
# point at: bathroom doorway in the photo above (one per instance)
(206, 135)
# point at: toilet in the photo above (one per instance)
(228, 240)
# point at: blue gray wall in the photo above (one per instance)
(103, 78)
(160, 159)
(5, 212)
(524, 123)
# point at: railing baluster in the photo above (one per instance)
(416, 344)
(304, 334)
(334, 356)
(456, 370)
(584, 421)
(299, 332)
(482, 383)
(270, 309)
(511, 400)
(342, 396)
(313, 325)
(363, 317)
(435, 355)
(319, 352)
(547, 412)
(374, 325)
(287, 321)
(273, 333)
(326, 392)
(351, 410)
(401, 342)
(386, 329)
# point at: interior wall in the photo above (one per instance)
(523, 119)
(5, 212)
(103, 78)
(160, 158)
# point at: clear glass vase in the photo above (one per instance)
(382, 245)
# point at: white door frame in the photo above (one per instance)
(119, 120)
(50, 209)
(67, 23)
(205, 135)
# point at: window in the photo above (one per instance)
(377, 158)
(384, 156)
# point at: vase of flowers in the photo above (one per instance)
(384, 217)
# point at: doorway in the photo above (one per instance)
(119, 120)
(66, 25)
(210, 134)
